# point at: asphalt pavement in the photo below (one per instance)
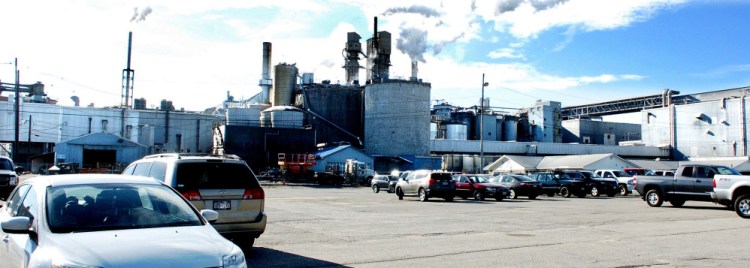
(352, 226)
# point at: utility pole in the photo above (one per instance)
(481, 127)
(17, 110)
(28, 147)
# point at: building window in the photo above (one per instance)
(105, 122)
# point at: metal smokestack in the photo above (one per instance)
(265, 81)
(414, 70)
(128, 75)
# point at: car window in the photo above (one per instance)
(158, 171)
(523, 178)
(214, 175)
(5, 164)
(28, 206)
(15, 199)
(726, 171)
(94, 207)
(687, 172)
(440, 176)
(141, 169)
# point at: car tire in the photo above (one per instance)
(423, 195)
(532, 197)
(677, 202)
(478, 195)
(595, 191)
(512, 194)
(564, 192)
(400, 193)
(623, 190)
(653, 198)
(742, 206)
(375, 188)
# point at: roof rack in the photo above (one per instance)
(181, 155)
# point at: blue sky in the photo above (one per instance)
(193, 52)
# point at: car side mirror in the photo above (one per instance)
(210, 215)
(16, 225)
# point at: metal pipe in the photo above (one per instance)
(17, 114)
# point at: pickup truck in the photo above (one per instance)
(8, 176)
(734, 192)
(692, 182)
(624, 180)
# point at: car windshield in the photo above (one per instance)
(634, 172)
(5, 165)
(96, 207)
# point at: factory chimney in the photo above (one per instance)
(413, 70)
(76, 100)
(265, 81)
(128, 75)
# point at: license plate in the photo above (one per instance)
(222, 205)
(445, 183)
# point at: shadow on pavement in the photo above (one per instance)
(266, 257)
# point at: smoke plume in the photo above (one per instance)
(538, 5)
(413, 42)
(420, 10)
(140, 16)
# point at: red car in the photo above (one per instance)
(479, 187)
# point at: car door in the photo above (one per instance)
(463, 188)
(703, 182)
(683, 184)
(15, 249)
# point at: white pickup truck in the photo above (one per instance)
(624, 179)
(733, 191)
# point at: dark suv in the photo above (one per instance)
(427, 184)
(223, 183)
(560, 183)
(595, 185)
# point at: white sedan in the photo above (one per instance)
(101, 220)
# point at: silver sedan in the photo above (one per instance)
(100, 220)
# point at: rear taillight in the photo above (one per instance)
(635, 181)
(714, 183)
(431, 181)
(254, 193)
(191, 195)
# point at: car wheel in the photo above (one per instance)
(564, 192)
(623, 190)
(448, 199)
(532, 197)
(512, 194)
(595, 191)
(742, 206)
(423, 195)
(677, 202)
(375, 189)
(478, 195)
(400, 193)
(653, 198)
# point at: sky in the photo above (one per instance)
(194, 52)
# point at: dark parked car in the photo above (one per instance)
(519, 185)
(385, 182)
(595, 185)
(427, 184)
(560, 183)
(479, 187)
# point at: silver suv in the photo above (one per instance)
(223, 183)
(426, 184)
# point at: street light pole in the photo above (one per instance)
(481, 127)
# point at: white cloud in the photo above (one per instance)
(507, 53)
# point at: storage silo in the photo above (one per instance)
(285, 80)
(397, 118)
(456, 132)
(510, 128)
(282, 117)
(433, 131)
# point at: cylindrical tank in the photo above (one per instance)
(397, 118)
(510, 128)
(455, 132)
(285, 80)
(433, 131)
(245, 116)
(470, 163)
(307, 78)
(452, 162)
(282, 117)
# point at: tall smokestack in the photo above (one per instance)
(414, 70)
(128, 75)
(265, 81)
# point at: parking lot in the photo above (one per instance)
(350, 226)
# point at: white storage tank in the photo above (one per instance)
(282, 117)
(433, 131)
(456, 132)
(397, 118)
(245, 116)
